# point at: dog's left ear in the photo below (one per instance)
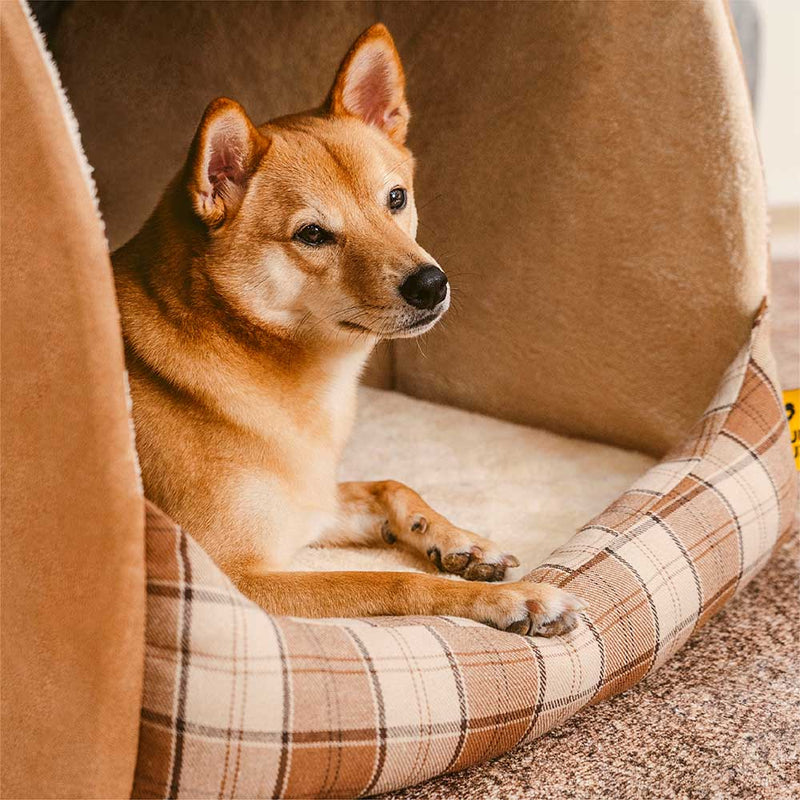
(224, 155)
(371, 85)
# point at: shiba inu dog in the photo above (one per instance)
(250, 301)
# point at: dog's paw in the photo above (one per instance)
(473, 562)
(529, 609)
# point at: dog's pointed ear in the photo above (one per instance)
(224, 155)
(371, 85)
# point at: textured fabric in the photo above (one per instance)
(72, 525)
(241, 704)
(590, 175)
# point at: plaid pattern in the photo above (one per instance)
(241, 704)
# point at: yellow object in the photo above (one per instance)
(791, 400)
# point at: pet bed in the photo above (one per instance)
(625, 299)
(258, 706)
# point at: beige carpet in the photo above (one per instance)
(785, 310)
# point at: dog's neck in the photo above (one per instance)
(179, 329)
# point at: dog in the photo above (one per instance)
(250, 300)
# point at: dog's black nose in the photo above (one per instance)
(426, 288)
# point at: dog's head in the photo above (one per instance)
(311, 218)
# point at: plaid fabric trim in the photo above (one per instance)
(241, 704)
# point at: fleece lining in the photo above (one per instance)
(528, 489)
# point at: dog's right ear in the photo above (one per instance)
(371, 85)
(224, 155)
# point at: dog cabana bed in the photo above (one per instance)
(588, 173)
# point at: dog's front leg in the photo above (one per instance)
(389, 510)
(522, 607)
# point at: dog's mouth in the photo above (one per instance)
(426, 320)
(409, 329)
(354, 326)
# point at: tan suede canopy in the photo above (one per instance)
(72, 511)
(603, 228)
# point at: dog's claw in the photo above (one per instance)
(521, 626)
(419, 525)
(386, 533)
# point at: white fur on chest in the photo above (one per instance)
(338, 396)
(295, 503)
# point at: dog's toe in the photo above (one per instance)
(565, 623)
(521, 626)
(455, 563)
(471, 566)
(481, 572)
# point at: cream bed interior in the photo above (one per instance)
(527, 488)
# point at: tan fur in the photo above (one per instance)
(244, 347)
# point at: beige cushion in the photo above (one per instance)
(238, 703)
(528, 489)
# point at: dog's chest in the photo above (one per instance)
(338, 396)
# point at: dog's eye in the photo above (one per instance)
(397, 199)
(313, 235)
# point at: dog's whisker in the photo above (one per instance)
(432, 200)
